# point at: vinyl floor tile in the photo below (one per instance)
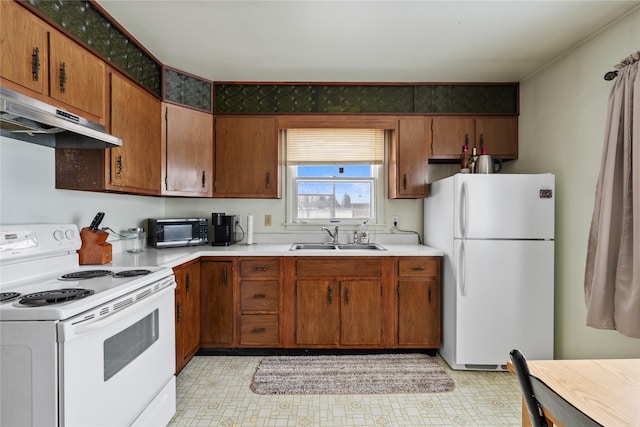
(214, 391)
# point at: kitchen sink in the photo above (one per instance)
(301, 246)
(333, 246)
(368, 246)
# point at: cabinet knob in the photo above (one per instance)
(178, 311)
(258, 330)
(404, 181)
(204, 179)
(259, 296)
(260, 269)
(330, 295)
(188, 284)
(418, 268)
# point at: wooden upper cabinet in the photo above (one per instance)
(188, 145)
(499, 134)
(408, 159)
(246, 157)
(23, 43)
(77, 76)
(136, 118)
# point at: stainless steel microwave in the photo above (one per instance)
(174, 232)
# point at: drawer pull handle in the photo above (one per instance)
(258, 330)
(63, 77)
(35, 64)
(259, 296)
(418, 268)
(260, 268)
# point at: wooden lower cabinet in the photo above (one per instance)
(259, 288)
(217, 309)
(187, 312)
(418, 289)
(339, 302)
(369, 302)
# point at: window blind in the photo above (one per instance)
(335, 146)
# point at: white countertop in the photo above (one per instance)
(172, 257)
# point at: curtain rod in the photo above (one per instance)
(611, 75)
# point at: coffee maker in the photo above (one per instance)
(224, 229)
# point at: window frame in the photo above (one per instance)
(377, 197)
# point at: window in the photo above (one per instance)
(333, 175)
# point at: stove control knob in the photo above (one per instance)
(70, 234)
(58, 235)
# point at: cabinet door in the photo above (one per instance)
(500, 136)
(135, 117)
(408, 164)
(77, 77)
(23, 45)
(317, 312)
(449, 135)
(419, 313)
(187, 313)
(191, 310)
(216, 304)
(246, 157)
(188, 138)
(361, 312)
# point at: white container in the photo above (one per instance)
(136, 240)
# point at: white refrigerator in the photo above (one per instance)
(497, 234)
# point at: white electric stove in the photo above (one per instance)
(74, 337)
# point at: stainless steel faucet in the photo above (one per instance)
(333, 235)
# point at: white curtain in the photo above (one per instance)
(612, 274)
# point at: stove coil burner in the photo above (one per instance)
(54, 297)
(132, 273)
(86, 274)
(8, 296)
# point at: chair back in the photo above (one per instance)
(537, 394)
(536, 413)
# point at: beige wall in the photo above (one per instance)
(562, 116)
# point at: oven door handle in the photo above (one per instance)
(72, 329)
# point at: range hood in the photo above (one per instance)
(30, 120)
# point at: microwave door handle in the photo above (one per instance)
(70, 331)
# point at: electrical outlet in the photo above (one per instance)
(239, 219)
(395, 220)
(267, 220)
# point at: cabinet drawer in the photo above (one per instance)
(329, 267)
(419, 267)
(259, 329)
(260, 268)
(259, 295)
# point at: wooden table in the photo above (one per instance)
(607, 390)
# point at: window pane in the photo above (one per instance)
(333, 199)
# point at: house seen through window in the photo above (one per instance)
(333, 174)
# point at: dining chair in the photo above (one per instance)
(537, 395)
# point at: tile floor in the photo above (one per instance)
(214, 391)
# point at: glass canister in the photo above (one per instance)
(136, 240)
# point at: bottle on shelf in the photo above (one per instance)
(473, 159)
(464, 160)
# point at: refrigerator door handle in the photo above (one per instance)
(464, 209)
(462, 270)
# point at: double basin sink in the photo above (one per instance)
(336, 246)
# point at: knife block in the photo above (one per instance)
(94, 249)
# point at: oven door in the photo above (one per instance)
(111, 369)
